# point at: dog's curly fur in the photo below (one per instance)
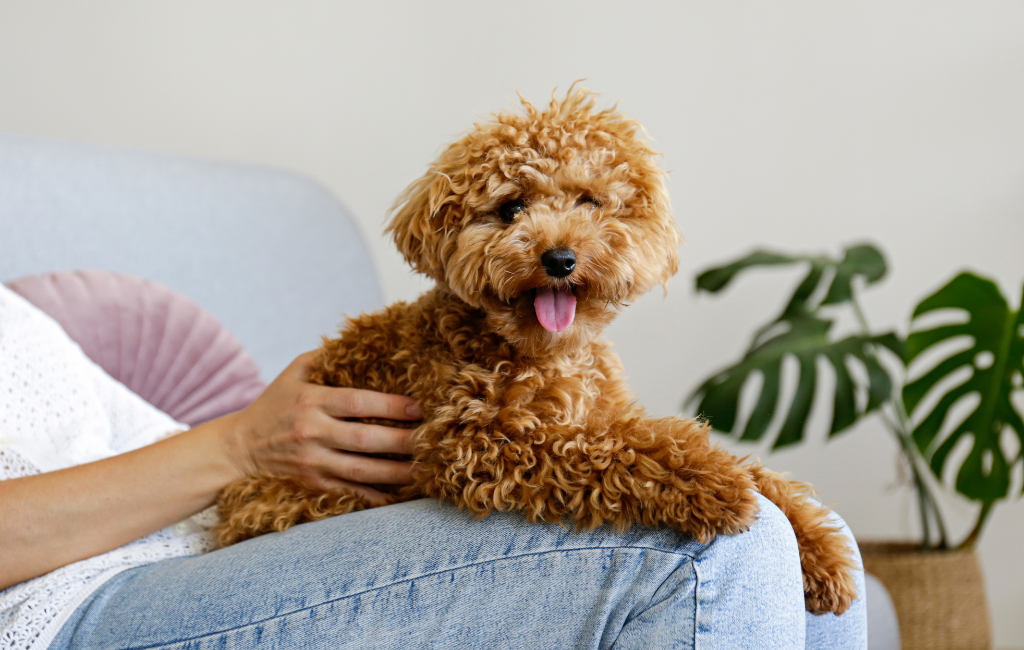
(518, 416)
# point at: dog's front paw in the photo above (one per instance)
(724, 506)
(704, 504)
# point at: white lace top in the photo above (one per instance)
(59, 409)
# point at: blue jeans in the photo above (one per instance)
(425, 575)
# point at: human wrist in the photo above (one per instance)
(228, 435)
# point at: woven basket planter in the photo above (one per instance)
(939, 596)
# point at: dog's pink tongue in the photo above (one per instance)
(555, 308)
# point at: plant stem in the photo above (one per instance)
(972, 538)
(901, 429)
(923, 501)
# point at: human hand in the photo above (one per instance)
(295, 429)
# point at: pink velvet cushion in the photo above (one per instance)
(158, 343)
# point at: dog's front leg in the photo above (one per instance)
(633, 469)
(629, 470)
(621, 470)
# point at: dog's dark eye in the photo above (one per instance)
(510, 209)
(586, 198)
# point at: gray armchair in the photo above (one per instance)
(270, 254)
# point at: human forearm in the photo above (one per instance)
(293, 429)
(56, 518)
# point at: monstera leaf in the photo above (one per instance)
(863, 259)
(802, 333)
(996, 363)
(973, 411)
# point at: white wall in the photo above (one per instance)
(795, 124)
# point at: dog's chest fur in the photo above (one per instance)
(441, 352)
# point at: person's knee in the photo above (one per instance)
(765, 554)
(772, 534)
(750, 584)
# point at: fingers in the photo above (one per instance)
(352, 402)
(366, 470)
(375, 497)
(332, 484)
(355, 403)
(303, 430)
(369, 438)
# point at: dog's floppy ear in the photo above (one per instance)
(652, 213)
(418, 222)
(667, 231)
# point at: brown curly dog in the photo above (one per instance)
(537, 228)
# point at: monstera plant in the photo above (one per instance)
(974, 358)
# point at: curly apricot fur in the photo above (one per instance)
(518, 418)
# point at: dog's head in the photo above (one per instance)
(547, 220)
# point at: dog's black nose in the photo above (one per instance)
(558, 262)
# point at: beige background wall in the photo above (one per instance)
(795, 124)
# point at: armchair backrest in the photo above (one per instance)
(271, 254)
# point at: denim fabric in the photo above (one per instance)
(850, 630)
(424, 575)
